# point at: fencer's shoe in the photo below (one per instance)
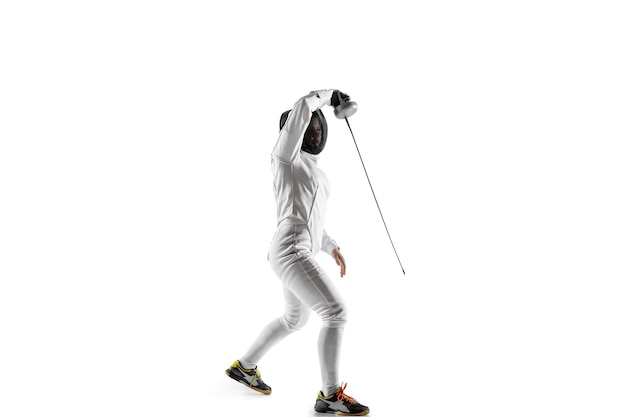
(340, 404)
(249, 377)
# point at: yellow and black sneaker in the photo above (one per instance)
(340, 404)
(249, 377)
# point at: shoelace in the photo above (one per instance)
(344, 397)
(256, 376)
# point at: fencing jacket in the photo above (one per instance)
(301, 188)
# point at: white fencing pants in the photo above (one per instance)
(306, 287)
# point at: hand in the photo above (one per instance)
(338, 97)
(340, 261)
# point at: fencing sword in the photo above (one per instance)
(344, 110)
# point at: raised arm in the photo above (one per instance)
(290, 137)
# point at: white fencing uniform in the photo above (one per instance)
(301, 190)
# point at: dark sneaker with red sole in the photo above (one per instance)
(340, 404)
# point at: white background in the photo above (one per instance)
(136, 205)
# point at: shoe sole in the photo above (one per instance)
(245, 383)
(341, 413)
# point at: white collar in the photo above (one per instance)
(310, 156)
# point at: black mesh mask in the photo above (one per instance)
(312, 142)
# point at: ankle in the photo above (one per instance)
(328, 390)
(247, 365)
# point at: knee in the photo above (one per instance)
(292, 323)
(337, 317)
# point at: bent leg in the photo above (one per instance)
(306, 279)
(296, 315)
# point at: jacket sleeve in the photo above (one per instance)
(328, 244)
(287, 147)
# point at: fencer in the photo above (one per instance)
(301, 190)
